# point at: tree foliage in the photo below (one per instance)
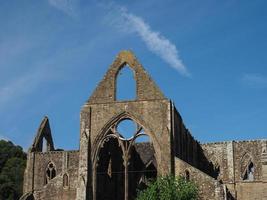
(169, 188)
(12, 165)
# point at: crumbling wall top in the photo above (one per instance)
(43, 133)
(146, 89)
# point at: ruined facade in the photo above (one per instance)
(111, 165)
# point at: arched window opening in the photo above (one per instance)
(142, 164)
(125, 84)
(187, 175)
(110, 171)
(249, 172)
(50, 172)
(65, 180)
(125, 161)
(127, 128)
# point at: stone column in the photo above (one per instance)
(84, 157)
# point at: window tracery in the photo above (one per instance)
(50, 172)
(120, 159)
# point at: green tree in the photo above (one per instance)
(169, 188)
(12, 165)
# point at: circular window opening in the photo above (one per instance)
(127, 128)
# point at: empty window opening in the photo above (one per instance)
(127, 128)
(110, 171)
(215, 170)
(142, 166)
(50, 172)
(187, 175)
(44, 145)
(65, 180)
(125, 162)
(249, 173)
(126, 84)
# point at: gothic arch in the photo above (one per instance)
(65, 180)
(131, 95)
(245, 165)
(123, 65)
(115, 120)
(50, 172)
(107, 133)
(105, 91)
(115, 75)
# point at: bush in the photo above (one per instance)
(169, 188)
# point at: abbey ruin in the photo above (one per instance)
(111, 166)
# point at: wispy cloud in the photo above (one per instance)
(21, 86)
(254, 80)
(156, 42)
(66, 6)
(121, 18)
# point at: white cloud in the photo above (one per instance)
(156, 42)
(119, 17)
(255, 80)
(66, 6)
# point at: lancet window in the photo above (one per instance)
(50, 172)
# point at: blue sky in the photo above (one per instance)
(208, 56)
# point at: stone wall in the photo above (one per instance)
(209, 188)
(233, 159)
(220, 154)
(256, 190)
(185, 147)
(66, 162)
(151, 115)
(244, 152)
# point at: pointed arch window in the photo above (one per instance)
(65, 180)
(50, 172)
(125, 84)
(124, 161)
(248, 174)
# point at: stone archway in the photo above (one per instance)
(122, 165)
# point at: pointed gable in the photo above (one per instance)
(43, 133)
(146, 89)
